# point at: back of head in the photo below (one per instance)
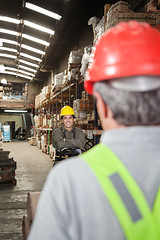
(129, 49)
(125, 70)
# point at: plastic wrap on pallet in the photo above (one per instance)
(6, 133)
(85, 60)
(150, 18)
(75, 57)
(58, 79)
(80, 114)
(99, 29)
(94, 22)
(73, 74)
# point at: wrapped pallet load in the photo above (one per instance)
(85, 60)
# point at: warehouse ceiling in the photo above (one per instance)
(28, 52)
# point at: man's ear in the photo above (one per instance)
(102, 108)
(105, 114)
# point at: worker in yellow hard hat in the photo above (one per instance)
(68, 136)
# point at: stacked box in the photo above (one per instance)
(87, 96)
(83, 105)
(40, 121)
(44, 142)
(6, 133)
(33, 141)
(120, 12)
(112, 20)
(85, 60)
(45, 121)
(1, 92)
(7, 168)
(58, 79)
(80, 114)
(37, 101)
(120, 6)
(74, 64)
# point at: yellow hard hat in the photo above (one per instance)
(67, 110)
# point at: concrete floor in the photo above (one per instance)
(32, 168)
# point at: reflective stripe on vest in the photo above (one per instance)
(126, 198)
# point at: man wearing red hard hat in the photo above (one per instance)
(112, 191)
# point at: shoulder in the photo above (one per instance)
(70, 167)
(78, 129)
(57, 130)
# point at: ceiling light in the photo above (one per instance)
(27, 73)
(4, 81)
(7, 55)
(32, 49)
(8, 19)
(16, 74)
(9, 68)
(2, 67)
(2, 30)
(38, 27)
(28, 63)
(1, 43)
(29, 69)
(23, 76)
(18, 111)
(8, 49)
(18, 70)
(35, 39)
(8, 41)
(30, 57)
(43, 11)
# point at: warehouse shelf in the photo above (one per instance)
(50, 101)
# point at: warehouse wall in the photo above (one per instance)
(17, 118)
(34, 88)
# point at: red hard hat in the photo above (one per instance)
(129, 49)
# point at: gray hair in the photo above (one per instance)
(131, 108)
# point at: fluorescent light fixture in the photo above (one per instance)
(18, 111)
(9, 68)
(28, 63)
(2, 67)
(38, 27)
(8, 19)
(16, 74)
(27, 73)
(2, 30)
(35, 39)
(32, 49)
(4, 81)
(43, 11)
(29, 69)
(8, 41)
(8, 49)
(1, 43)
(30, 57)
(7, 55)
(23, 76)
(18, 70)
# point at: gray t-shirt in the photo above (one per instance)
(72, 204)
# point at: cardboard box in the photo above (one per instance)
(117, 17)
